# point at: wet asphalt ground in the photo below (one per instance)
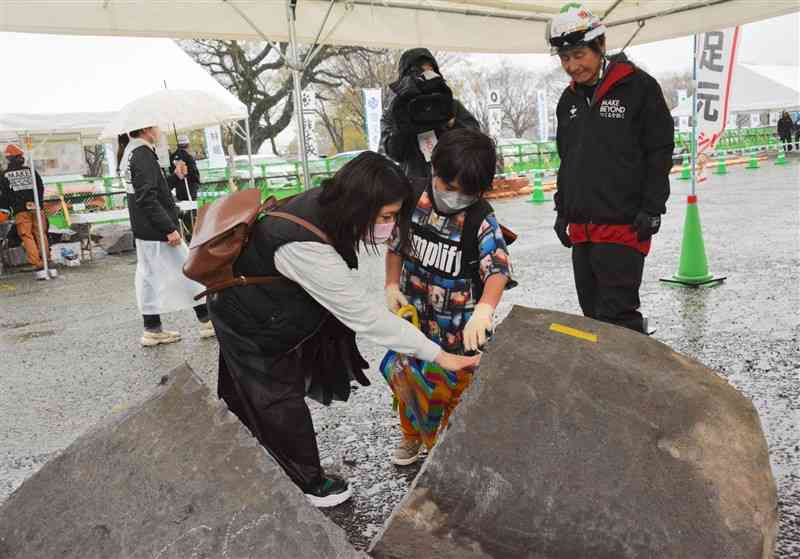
(71, 355)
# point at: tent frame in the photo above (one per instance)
(298, 67)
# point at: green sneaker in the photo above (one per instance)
(330, 492)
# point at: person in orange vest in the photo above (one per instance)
(16, 186)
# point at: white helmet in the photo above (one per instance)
(574, 27)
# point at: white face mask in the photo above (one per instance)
(452, 202)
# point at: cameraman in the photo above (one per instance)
(421, 110)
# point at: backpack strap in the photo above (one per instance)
(262, 280)
(470, 252)
(302, 223)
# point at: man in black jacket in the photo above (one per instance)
(615, 138)
(184, 178)
(421, 110)
(785, 128)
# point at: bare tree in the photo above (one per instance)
(259, 76)
(517, 87)
(95, 157)
(671, 84)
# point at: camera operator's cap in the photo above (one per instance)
(13, 150)
(574, 27)
(183, 140)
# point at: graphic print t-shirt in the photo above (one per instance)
(429, 276)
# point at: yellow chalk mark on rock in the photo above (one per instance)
(574, 332)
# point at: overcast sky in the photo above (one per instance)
(772, 41)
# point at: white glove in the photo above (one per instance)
(395, 300)
(475, 332)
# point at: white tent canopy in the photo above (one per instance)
(758, 88)
(68, 87)
(502, 26)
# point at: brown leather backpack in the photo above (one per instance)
(221, 232)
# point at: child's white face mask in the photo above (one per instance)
(452, 202)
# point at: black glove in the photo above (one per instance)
(561, 231)
(646, 226)
(406, 87)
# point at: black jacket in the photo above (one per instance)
(152, 209)
(616, 150)
(399, 141)
(193, 178)
(282, 318)
(16, 187)
(785, 127)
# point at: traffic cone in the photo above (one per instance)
(537, 196)
(686, 172)
(781, 159)
(753, 163)
(722, 167)
(693, 267)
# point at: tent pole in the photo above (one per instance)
(249, 149)
(38, 203)
(298, 93)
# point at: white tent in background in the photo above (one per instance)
(69, 88)
(457, 25)
(758, 88)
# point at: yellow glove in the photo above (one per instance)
(395, 300)
(478, 327)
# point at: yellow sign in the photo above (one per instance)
(574, 332)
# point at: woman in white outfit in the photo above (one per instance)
(161, 286)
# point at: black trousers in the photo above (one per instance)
(607, 278)
(152, 322)
(267, 394)
(787, 142)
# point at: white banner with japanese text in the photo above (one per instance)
(716, 58)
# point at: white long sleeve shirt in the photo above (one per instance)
(322, 272)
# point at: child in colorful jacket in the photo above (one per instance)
(454, 277)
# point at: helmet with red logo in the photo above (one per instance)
(574, 27)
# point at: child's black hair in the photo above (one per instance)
(467, 156)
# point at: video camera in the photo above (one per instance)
(424, 101)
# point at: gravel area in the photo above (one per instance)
(71, 353)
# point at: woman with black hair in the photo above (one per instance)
(283, 340)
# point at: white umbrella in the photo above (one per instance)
(182, 108)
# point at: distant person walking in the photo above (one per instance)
(16, 188)
(185, 177)
(785, 129)
(161, 286)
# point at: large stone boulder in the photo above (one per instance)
(572, 447)
(176, 477)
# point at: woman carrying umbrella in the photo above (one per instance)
(282, 340)
(161, 286)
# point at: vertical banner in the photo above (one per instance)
(214, 149)
(373, 107)
(732, 122)
(541, 106)
(755, 120)
(162, 150)
(111, 160)
(495, 114)
(716, 58)
(309, 99)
